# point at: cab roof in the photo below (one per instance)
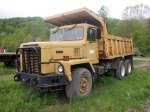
(82, 15)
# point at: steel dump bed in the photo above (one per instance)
(114, 46)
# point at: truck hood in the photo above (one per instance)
(73, 49)
(56, 50)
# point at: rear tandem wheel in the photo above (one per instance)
(120, 71)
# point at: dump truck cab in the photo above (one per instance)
(48, 65)
(83, 36)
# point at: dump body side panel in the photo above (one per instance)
(114, 46)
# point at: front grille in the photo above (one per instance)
(31, 57)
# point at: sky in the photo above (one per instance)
(45, 8)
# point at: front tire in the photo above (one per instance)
(120, 72)
(80, 85)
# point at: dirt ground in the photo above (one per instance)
(143, 65)
(146, 106)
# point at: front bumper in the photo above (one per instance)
(41, 81)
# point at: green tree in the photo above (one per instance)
(136, 12)
(135, 23)
(110, 22)
(104, 12)
(15, 31)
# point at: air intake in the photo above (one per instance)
(76, 51)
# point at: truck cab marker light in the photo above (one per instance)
(66, 58)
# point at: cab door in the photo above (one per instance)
(92, 46)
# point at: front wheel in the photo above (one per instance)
(80, 85)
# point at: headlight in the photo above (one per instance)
(60, 68)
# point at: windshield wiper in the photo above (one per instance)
(55, 30)
(71, 28)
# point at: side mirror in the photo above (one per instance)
(98, 33)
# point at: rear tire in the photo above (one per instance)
(80, 85)
(128, 67)
(120, 72)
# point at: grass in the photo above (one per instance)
(148, 54)
(6, 70)
(141, 61)
(138, 61)
(108, 94)
(18, 98)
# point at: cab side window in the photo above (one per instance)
(91, 34)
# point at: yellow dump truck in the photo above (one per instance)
(79, 50)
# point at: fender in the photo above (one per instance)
(67, 66)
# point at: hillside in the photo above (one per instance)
(15, 31)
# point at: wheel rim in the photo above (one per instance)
(129, 68)
(122, 70)
(84, 85)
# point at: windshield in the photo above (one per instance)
(57, 35)
(69, 34)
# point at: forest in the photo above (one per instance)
(15, 31)
(135, 22)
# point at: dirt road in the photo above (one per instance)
(144, 59)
